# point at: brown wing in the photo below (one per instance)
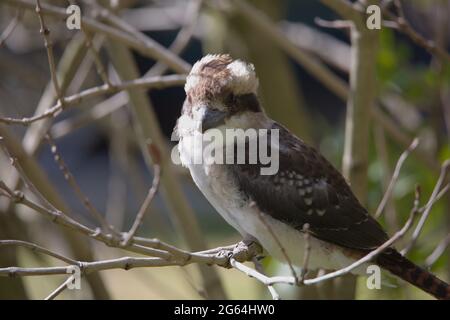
(308, 189)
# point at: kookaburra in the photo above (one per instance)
(221, 93)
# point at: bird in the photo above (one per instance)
(306, 189)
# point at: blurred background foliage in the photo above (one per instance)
(413, 89)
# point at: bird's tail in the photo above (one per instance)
(400, 266)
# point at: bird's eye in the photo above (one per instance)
(230, 99)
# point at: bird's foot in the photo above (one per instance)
(246, 250)
(243, 251)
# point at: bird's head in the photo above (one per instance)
(218, 88)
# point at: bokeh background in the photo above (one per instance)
(97, 140)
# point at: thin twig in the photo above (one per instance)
(60, 289)
(312, 65)
(401, 24)
(152, 82)
(307, 251)
(259, 267)
(146, 126)
(95, 54)
(150, 196)
(438, 251)
(28, 183)
(253, 273)
(36, 248)
(97, 60)
(149, 247)
(435, 195)
(62, 219)
(49, 47)
(118, 100)
(278, 242)
(68, 176)
(394, 177)
(183, 37)
(335, 24)
(383, 156)
(95, 113)
(10, 27)
(360, 102)
(214, 257)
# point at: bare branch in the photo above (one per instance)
(278, 242)
(118, 100)
(307, 252)
(125, 263)
(383, 156)
(213, 256)
(260, 269)
(253, 273)
(62, 219)
(157, 252)
(150, 83)
(146, 126)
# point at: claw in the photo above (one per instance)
(243, 251)
(228, 254)
(246, 250)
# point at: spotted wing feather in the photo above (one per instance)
(308, 189)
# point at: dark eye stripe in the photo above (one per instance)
(243, 102)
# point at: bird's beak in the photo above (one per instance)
(212, 118)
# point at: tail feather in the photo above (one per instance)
(400, 266)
